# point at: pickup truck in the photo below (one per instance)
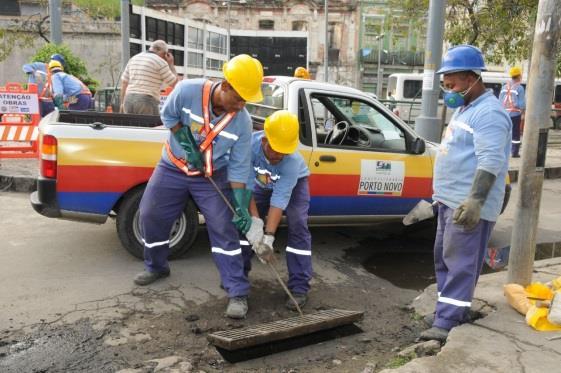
(366, 164)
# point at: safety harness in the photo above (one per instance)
(508, 103)
(208, 132)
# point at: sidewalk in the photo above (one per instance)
(501, 341)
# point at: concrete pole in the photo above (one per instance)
(379, 78)
(427, 125)
(228, 37)
(56, 21)
(326, 49)
(540, 90)
(125, 34)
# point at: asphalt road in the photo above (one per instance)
(67, 300)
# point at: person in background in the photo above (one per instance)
(66, 87)
(513, 98)
(144, 76)
(302, 73)
(37, 73)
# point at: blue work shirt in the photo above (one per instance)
(517, 95)
(477, 138)
(231, 148)
(37, 74)
(66, 85)
(280, 178)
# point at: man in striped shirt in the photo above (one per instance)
(145, 74)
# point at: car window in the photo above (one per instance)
(347, 122)
(273, 100)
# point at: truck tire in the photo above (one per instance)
(182, 236)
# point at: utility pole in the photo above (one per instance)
(379, 79)
(125, 32)
(56, 21)
(427, 125)
(540, 91)
(228, 36)
(326, 49)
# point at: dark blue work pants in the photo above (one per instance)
(162, 203)
(299, 244)
(458, 259)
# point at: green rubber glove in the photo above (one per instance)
(59, 102)
(192, 153)
(468, 213)
(242, 219)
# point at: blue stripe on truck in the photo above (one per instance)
(96, 203)
(361, 205)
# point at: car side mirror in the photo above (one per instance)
(418, 146)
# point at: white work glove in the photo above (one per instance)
(255, 233)
(264, 249)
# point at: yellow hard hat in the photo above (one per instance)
(245, 75)
(54, 64)
(301, 73)
(281, 129)
(515, 71)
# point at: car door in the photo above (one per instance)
(362, 168)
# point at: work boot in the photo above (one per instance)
(148, 277)
(472, 315)
(237, 308)
(435, 333)
(301, 299)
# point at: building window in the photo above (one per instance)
(216, 43)
(195, 38)
(299, 26)
(10, 8)
(213, 64)
(195, 60)
(266, 24)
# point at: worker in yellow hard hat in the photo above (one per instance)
(279, 180)
(210, 138)
(66, 87)
(513, 98)
(302, 73)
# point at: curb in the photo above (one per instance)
(17, 184)
(549, 173)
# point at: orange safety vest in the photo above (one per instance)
(508, 104)
(47, 92)
(208, 132)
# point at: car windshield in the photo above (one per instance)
(273, 100)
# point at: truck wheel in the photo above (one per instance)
(182, 235)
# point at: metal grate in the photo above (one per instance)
(283, 329)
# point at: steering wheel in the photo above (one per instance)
(338, 134)
(359, 136)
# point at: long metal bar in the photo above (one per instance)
(326, 49)
(125, 33)
(540, 90)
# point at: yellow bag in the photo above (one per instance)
(537, 319)
(539, 291)
(516, 297)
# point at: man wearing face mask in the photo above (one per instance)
(469, 184)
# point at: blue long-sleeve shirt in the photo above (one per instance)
(36, 73)
(66, 85)
(517, 95)
(280, 178)
(231, 148)
(477, 138)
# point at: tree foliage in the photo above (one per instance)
(74, 65)
(502, 29)
(109, 9)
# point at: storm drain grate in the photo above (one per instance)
(283, 329)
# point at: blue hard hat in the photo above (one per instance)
(59, 58)
(462, 58)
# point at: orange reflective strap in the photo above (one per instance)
(507, 102)
(207, 131)
(180, 163)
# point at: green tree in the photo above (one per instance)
(502, 29)
(74, 65)
(103, 8)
